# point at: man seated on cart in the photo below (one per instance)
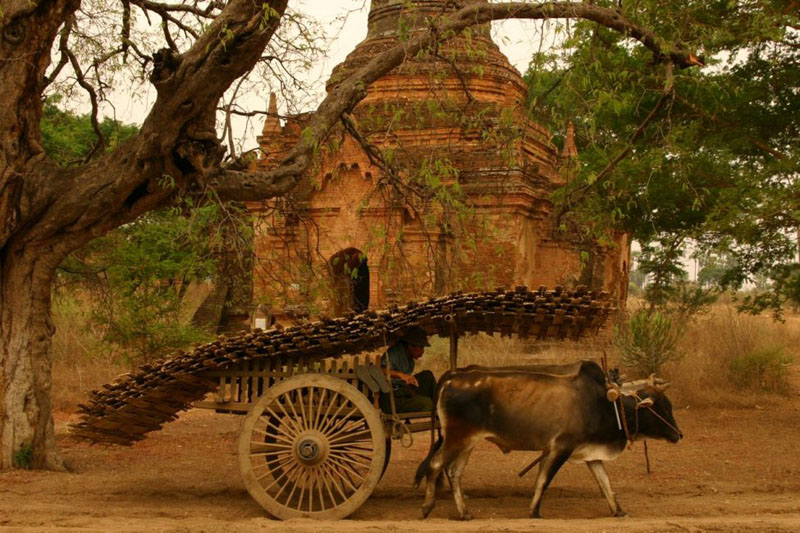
(412, 392)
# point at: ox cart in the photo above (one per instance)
(313, 442)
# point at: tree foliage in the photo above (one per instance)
(680, 158)
(68, 138)
(134, 276)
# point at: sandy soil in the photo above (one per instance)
(736, 470)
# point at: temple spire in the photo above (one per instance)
(386, 17)
(272, 125)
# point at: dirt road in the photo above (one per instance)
(736, 470)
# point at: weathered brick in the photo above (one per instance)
(466, 107)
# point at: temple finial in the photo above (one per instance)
(272, 124)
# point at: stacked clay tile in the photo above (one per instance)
(142, 401)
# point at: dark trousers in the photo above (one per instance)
(410, 399)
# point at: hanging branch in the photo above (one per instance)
(165, 11)
(101, 142)
(162, 8)
(228, 124)
(375, 156)
(457, 72)
(666, 94)
(126, 28)
(62, 48)
(349, 92)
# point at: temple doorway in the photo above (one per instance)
(350, 280)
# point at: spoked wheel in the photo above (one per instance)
(312, 446)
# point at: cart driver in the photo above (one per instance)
(412, 392)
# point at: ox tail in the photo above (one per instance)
(424, 466)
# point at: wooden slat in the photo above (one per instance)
(243, 383)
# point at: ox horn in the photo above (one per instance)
(647, 402)
(639, 384)
(664, 385)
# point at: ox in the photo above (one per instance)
(562, 411)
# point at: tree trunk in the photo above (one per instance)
(27, 437)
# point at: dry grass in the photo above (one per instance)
(496, 350)
(719, 351)
(81, 362)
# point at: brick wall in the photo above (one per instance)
(424, 114)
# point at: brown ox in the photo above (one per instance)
(562, 411)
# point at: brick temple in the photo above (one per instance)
(358, 233)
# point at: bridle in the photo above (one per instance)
(637, 404)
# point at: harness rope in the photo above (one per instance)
(637, 401)
(670, 426)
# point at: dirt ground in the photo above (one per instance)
(736, 470)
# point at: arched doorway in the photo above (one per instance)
(350, 280)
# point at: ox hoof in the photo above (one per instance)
(536, 514)
(426, 510)
(620, 513)
(464, 517)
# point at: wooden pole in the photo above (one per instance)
(453, 345)
(534, 463)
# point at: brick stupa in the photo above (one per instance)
(351, 237)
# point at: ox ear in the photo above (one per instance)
(647, 402)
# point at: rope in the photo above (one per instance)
(404, 431)
(625, 423)
(670, 426)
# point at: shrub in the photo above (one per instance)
(690, 300)
(23, 457)
(147, 326)
(647, 340)
(764, 369)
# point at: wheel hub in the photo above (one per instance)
(310, 448)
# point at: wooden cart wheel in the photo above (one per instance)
(312, 446)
